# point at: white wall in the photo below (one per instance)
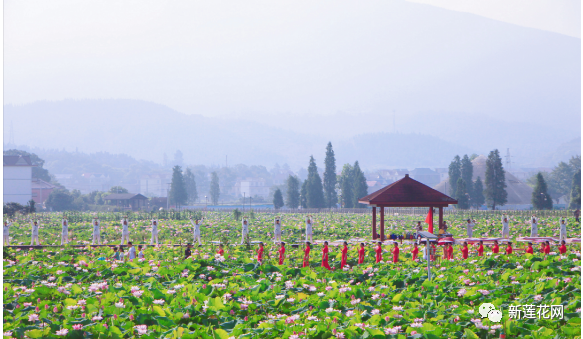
(17, 184)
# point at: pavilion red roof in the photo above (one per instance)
(407, 192)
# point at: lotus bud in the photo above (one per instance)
(131, 317)
(55, 309)
(36, 309)
(115, 316)
(82, 315)
(46, 306)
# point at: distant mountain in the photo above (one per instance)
(146, 131)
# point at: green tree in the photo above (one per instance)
(60, 200)
(118, 189)
(575, 163)
(190, 185)
(277, 199)
(495, 181)
(10, 209)
(346, 186)
(560, 180)
(466, 172)
(455, 173)
(477, 194)
(314, 192)
(293, 192)
(473, 156)
(38, 171)
(304, 194)
(575, 202)
(461, 196)
(541, 199)
(330, 177)
(177, 194)
(359, 188)
(215, 191)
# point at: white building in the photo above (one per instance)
(155, 185)
(251, 187)
(17, 179)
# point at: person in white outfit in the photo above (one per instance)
(244, 230)
(309, 231)
(277, 230)
(505, 227)
(469, 228)
(64, 231)
(154, 232)
(96, 232)
(563, 230)
(196, 231)
(7, 225)
(533, 227)
(125, 232)
(34, 236)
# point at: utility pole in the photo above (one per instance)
(168, 196)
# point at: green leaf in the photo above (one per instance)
(159, 310)
(34, 334)
(571, 330)
(397, 297)
(221, 334)
(470, 334)
(70, 302)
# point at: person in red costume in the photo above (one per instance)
(509, 248)
(465, 250)
(433, 251)
(325, 256)
(344, 255)
(495, 248)
(542, 247)
(361, 253)
(396, 252)
(547, 248)
(450, 252)
(379, 252)
(221, 251)
(415, 251)
(260, 253)
(281, 253)
(481, 249)
(563, 247)
(529, 249)
(307, 255)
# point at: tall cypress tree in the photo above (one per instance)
(330, 177)
(346, 186)
(359, 188)
(466, 173)
(293, 192)
(575, 202)
(277, 199)
(541, 199)
(315, 192)
(454, 174)
(478, 194)
(495, 181)
(460, 195)
(177, 194)
(304, 194)
(215, 191)
(190, 185)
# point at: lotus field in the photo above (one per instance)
(82, 292)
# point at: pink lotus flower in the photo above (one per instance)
(77, 326)
(131, 317)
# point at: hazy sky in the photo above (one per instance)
(223, 57)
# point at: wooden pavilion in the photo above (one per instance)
(406, 192)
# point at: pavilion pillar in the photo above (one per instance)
(374, 223)
(383, 223)
(440, 216)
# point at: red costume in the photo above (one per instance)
(221, 252)
(495, 248)
(450, 252)
(415, 251)
(325, 257)
(379, 252)
(481, 250)
(306, 257)
(465, 252)
(260, 254)
(281, 254)
(344, 256)
(509, 249)
(542, 249)
(547, 249)
(563, 249)
(529, 249)
(361, 255)
(395, 254)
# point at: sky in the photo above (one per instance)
(219, 57)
